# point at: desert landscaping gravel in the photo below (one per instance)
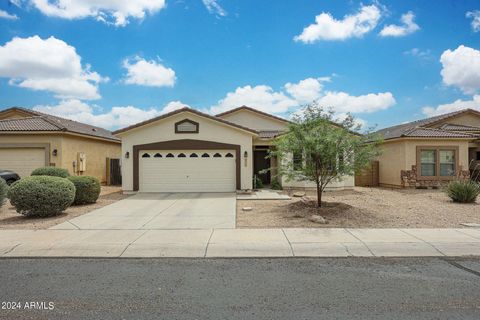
(361, 208)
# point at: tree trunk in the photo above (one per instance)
(319, 195)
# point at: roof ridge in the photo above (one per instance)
(253, 110)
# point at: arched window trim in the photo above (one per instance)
(205, 155)
(169, 156)
(146, 155)
(229, 155)
(217, 155)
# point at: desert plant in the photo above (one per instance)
(87, 189)
(41, 196)
(51, 171)
(257, 182)
(3, 191)
(464, 191)
(275, 185)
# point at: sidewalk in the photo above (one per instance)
(240, 243)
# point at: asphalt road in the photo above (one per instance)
(290, 288)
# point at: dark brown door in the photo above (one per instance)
(261, 162)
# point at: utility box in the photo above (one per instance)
(81, 162)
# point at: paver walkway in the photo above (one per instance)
(240, 243)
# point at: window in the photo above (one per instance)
(229, 155)
(217, 155)
(181, 155)
(428, 165)
(186, 126)
(193, 155)
(157, 155)
(145, 155)
(436, 163)
(447, 163)
(169, 155)
(205, 155)
(297, 161)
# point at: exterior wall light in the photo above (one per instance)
(245, 154)
(54, 152)
(127, 155)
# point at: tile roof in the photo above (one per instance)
(166, 115)
(269, 134)
(44, 122)
(459, 127)
(252, 110)
(412, 129)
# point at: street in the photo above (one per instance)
(279, 288)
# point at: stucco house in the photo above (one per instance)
(431, 152)
(190, 151)
(31, 139)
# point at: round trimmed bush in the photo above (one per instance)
(87, 189)
(463, 191)
(3, 191)
(41, 196)
(51, 171)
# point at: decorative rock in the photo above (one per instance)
(318, 219)
(299, 194)
(247, 208)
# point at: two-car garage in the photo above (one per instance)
(187, 171)
(22, 160)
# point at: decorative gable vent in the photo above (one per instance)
(186, 126)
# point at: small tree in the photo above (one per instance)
(317, 149)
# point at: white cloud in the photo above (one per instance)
(461, 68)
(118, 11)
(419, 53)
(117, 117)
(214, 8)
(475, 15)
(408, 27)
(6, 15)
(260, 97)
(48, 65)
(459, 104)
(342, 102)
(306, 90)
(148, 73)
(326, 27)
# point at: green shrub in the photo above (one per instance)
(41, 196)
(87, 189)
(257, 182)
(463, 191)
(51, 171)
(3, 191)
(275, 185)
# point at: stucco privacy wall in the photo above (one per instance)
(96, 151)
(164, 130)
(402, 155)
(67, 148)
(254, 120)
(391, 162)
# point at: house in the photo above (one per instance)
(431, 152)
(31, 139)
(190, 151)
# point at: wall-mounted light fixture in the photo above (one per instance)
(54, 152)
(127, 155)
(245, 157)
(245, 154)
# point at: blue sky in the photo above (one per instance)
(386, 62)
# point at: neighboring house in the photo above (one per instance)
(431, 152)
(190, 151)
(30, 139)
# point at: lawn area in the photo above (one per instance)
(361, 208)
(10, 219)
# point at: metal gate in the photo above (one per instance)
(114, 173)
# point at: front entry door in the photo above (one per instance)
(261, 162)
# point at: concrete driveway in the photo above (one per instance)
(148, 211)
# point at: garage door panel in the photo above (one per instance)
(187, 174)
(22, 160)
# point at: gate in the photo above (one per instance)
(114, 173)
(369, 177)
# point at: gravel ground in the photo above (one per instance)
(10, 219)
(361, 208)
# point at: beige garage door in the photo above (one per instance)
(187, 171)
(22, 160)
